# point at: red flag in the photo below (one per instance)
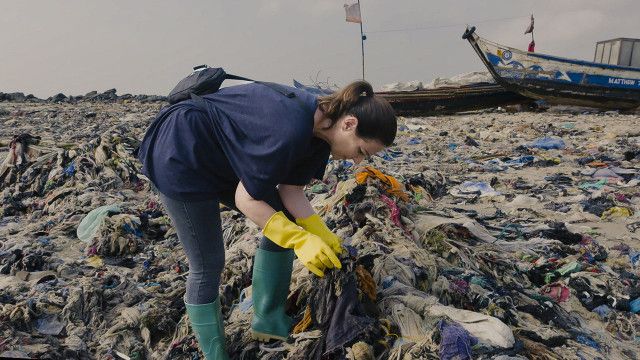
(353, 13)
(530, 28)
(532, 46)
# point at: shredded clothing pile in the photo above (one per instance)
(478, 236)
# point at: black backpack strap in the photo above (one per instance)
(282, 90)
(236, 77)
(273, 86)
(200, 101)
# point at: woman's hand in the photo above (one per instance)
(312, 251)
(315, 225)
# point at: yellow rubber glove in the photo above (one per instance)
(312, 252)
(316, 226)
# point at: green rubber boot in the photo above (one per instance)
(270, 288)
(208, 325)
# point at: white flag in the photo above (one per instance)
(530, 28)
(353, 13)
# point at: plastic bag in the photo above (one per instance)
(90, 224)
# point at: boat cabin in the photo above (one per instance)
(620, 51)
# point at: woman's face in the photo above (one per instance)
(347, 145)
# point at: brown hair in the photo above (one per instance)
(376, 118)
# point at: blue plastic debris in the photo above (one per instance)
(634, 257)
(522, 160)
(495, 165)
(353, 252)
(70, 170)
(387, 281)
(480, 187)
(602, 310)
(548, 143)
(245, 302)
(586, 340)
(49, 325)
(456, 342)
(44, 240)
(389, 155)
(634, 306)
(131, 230)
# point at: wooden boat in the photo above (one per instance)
(449, 100)
(444, 100)
(558, 80)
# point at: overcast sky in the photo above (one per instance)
(146, 46)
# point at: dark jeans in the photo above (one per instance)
(200, 232)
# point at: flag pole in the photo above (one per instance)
(362, 38)
(532, 31)
(355, 15)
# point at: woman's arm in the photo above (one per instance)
(294, 200)
(257, 211)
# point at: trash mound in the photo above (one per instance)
(92, 96)
(484, 236)
(464, 79)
